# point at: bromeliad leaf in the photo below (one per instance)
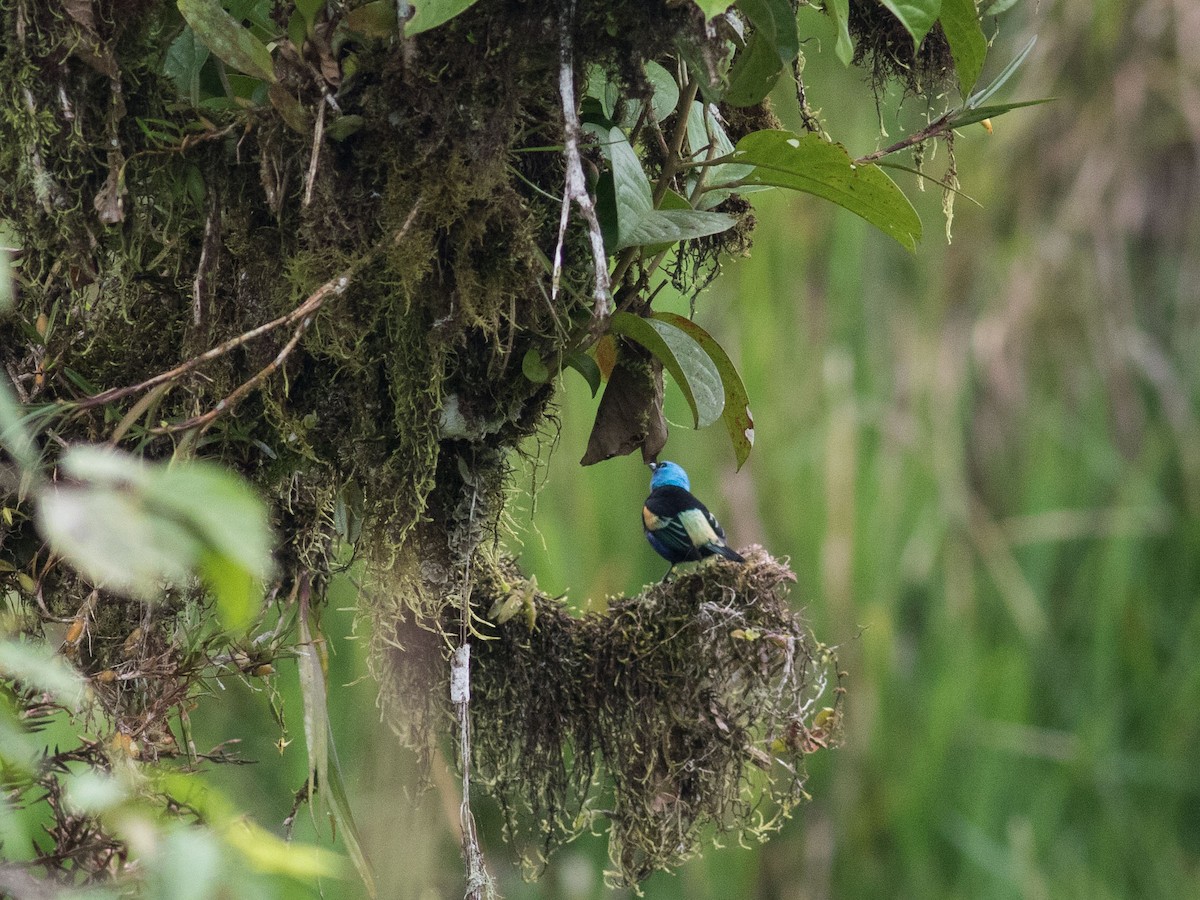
(689, 365)
(432, 13)
(736, 412)
(968, 45)
(227, 39)
(971, 115)
(638, 222)
(809, 164)
(917, 16)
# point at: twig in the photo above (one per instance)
(318, 134)
(575, 189)
(938, 126)
(203, 421)
(302, 314)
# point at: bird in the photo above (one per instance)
(678, 526)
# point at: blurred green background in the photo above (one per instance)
(984, 463)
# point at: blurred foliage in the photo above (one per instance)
(984, 463)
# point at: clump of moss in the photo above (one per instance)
(691, 705)
(884, 47)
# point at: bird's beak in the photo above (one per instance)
(652, 465)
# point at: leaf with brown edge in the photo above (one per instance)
(736, 412)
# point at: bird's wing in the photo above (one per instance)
(699, 525)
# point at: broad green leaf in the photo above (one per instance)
(704, 128)
(968, 45)
(219, 506)
(130, 527)
(39, 667)
(638, 223)
(917, 16)
(432, 13)
(533, 368)
(712, 8)
(736, 412)
(807, 163)
(840, 10)
(110, 537)
(585, 366)
(262, 850)
(667, 226)
(237, 591)
(755, 71)
(688, 364)
(969, 116)
(227, 39)
(775, 21)
(185, 58)
(666, 91)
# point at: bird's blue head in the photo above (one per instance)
(668, 473)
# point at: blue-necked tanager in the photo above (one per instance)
(678, 526)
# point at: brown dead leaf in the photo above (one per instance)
(631, 411)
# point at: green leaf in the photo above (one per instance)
(39, 667)
(712, 8)
(840, 10)
(968, 45)
(131, 526)
(316, 704)
(432, 13)
(775, 21)
(755, 71)
(376, 19)
(309, 9)
(807, 163)
(227, 39)
(344, 126)
(109, 536)
(585, 366)
(917, 16)
(969, 116)
(999, 6)
(235, 587)
(13, 435)
(983, 96)
(666, 91)
(533, 368)
(185, 58)
(339, 804)
(687, 362)
(736, 412)
(217, 505)
(638, 223)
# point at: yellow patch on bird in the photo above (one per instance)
(698, 529)
(651, 521)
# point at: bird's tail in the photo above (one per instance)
(727, 552)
